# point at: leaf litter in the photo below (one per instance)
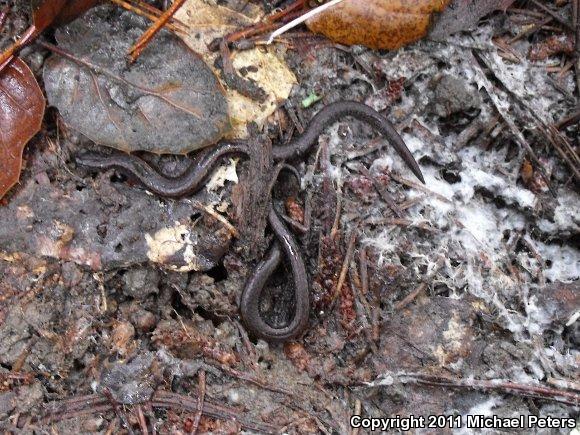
(263, 65)
(21, 113)
(167, 102)
(473, 293)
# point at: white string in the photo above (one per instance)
(301, 19)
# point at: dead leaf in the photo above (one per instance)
(46, 13)
(168, 102)
(380, 24)
(21, 112)
(73, 9)
(208, 22)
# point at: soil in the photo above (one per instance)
(459, 298)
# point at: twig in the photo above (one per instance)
(345, 264)
(507, 117)
(376, 299)
(568, 121)
(252, 380)
(268, 23)
(3, 16)
(382, 191)
(96, 404)
(554, 15)
(357, 411)
(558, 141)
(499, 385)
(530, 30)
(151, 14)
(140, 45)
(363, 307)
(421, 288)
(550, 133)
(156, 12)
(200, 400)
(576, 18)
(402, 223)
(168, 400)
(364, 270)
(100, 70)
(420, 187)
(8, 55)
(211, 212)
(119, 411)
(142, 421)
(411, 296)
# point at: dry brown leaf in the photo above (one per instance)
(73, 9)
(21, 112)
(45, 13)
(208, 22)
(380, 24)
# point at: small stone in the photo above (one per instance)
(233, 397)
(454, 95)
(71, 274)
(6, 404)
(122, 335)
(132, 382)
(144, 321)
(93, 424)
(140, 283)
(560, 300)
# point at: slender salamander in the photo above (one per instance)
(195, 175)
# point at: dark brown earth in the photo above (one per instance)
(465, 304)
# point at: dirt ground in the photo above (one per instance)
(459, 297)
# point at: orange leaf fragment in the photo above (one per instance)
(21, 112)
(379, 24)
(44, 12)
(73, 9)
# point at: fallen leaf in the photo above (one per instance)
(73, 9)
(44, 12)
(463, 15)
(21, 112)
(168, 102)
(380, 24)
(208, 22)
